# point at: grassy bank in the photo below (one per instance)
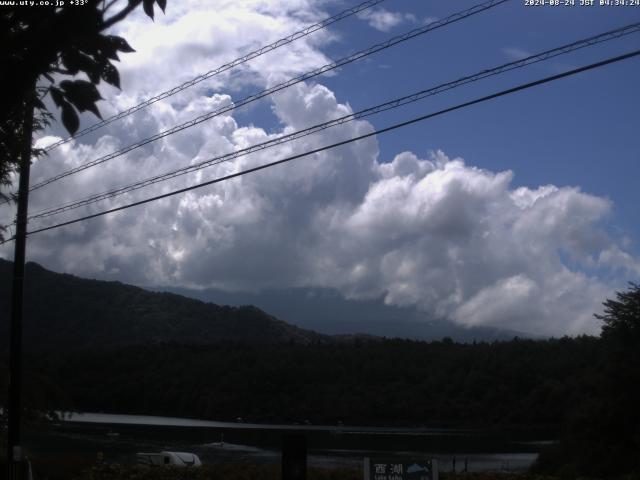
(270, 472)
(80, 471)
(262, 472)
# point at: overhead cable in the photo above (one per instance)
(532, 59)
(344, 142)
(223, 68)
(264, 93)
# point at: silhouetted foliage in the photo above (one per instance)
(621, 317)
(602, 434)
(41, 45)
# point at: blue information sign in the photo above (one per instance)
(400, 469)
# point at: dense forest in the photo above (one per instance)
(585, 389)
(225, 363)
(528, 383)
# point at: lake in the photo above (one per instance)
(119, 437)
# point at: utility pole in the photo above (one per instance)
(14, 448)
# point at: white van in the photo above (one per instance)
(174, 459)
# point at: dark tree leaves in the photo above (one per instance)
(38, 45)
(82, 94)
(148, 7)
(621, 316)
(69, 118)
(39, 104)
(75, 61)
(119, 43)
(110, 75)
(57, 96)
(107, 48)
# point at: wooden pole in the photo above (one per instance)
(294, 456)
(14, 448)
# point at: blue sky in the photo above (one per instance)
(580, 131)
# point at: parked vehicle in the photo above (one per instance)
(175, 459)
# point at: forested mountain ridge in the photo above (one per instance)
(169, 355)
(63, 311)
(327, 311)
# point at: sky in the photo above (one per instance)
(518, 213)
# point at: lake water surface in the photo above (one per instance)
(120, 437)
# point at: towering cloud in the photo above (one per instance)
(419, 229)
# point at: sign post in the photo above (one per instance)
(294, 456)
(400, 469)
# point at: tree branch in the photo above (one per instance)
(108, 6)
(61, 70)
(120, 15)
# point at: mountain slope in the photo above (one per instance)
(64, 311)
(328, 312)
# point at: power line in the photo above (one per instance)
(223, 68)
(306, 76)
(532, 59)
(344, 142)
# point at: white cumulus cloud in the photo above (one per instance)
(419, 229)
(384, 20)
